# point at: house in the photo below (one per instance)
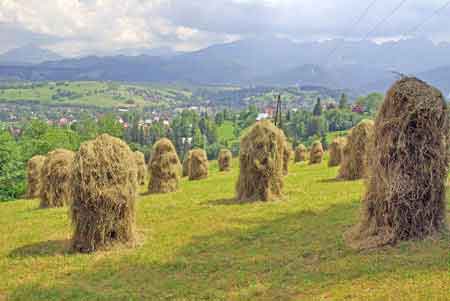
(262, 116)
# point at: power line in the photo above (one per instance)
(352, 26)
(385, 19)
(437, 12)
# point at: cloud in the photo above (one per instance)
(80, 27)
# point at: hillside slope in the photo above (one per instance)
(197, 244)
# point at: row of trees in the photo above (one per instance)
(187, 130)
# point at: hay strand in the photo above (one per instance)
(105, 182)
(141, 167)
(57, 179)
(336, 151)
(225, 160)
(300, 154)
(164, 167)
(408, 165)
(261, 163)
(34, 176)
(198, 165)
(316, 153)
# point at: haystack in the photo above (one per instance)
(104, 193)
(300, 153)
(408, 167)
(141, 167)
(287, 156)
(354, 161)
(56, 190)
(186, 162)
(224, 160)
(316, 153)
(198, 165)
(336, 151)
(164, 167)
(261, 163)
(34, 177)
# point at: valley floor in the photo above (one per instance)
(200, 245)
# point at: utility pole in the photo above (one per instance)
(278, 113)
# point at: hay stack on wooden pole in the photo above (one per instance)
(287, 156)
(141, 167)
(316, 153)
(186, 163)
(105, 182)
(34, 176)
(225, 160)
(56, 190)
(261, 163)
(198, 165)
(408, 165)
(354, 161)
(164, 167)
(336, 150)
(300, 154)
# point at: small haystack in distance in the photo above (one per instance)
(300, 153)
(186, 162)
(34, 177)
(56, 190)
(336, 151)
(354, 160)
(408, 166)
(198, 165)
(104, 193)
(164, 167)
(261, 163)
(287, 156)
(141, 167)
(225, 160)
(316, 153)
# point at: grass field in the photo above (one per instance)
(200, 245)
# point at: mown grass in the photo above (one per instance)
(200, 245)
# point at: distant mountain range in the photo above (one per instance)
(28, 55)
(362, 66)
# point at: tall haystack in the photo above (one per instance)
(186, 163)
(336, 150)
(316, 153)
(104, 193)
(141, 167)
(300, 153)
(354, 161)
(34, 177)
(287, 156)
(56, 190)
(408, 165)
(225, 160)
(198, 165)
(164, 167)
(261, 163)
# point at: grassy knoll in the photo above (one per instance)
(200, 245)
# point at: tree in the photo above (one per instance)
(318, 108)
(109, 124)
(343, 102)
(12, 168)
(198, 141)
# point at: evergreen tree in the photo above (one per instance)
(318, 108)
(343, 102)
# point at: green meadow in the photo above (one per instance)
(199, 244)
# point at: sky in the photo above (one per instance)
(85, 27)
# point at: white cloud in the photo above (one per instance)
(79, 27)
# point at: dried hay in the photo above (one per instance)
(225, 160)
(287, 156)
(261, 163)
(34, 177)
(186, 163)
(300, 154)
(354, 161)
(164, 167)
(141, 167)
(198, 165)
(56, 190)
(316, 153)
(336, 151)
(104, 193)
(408, 167)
